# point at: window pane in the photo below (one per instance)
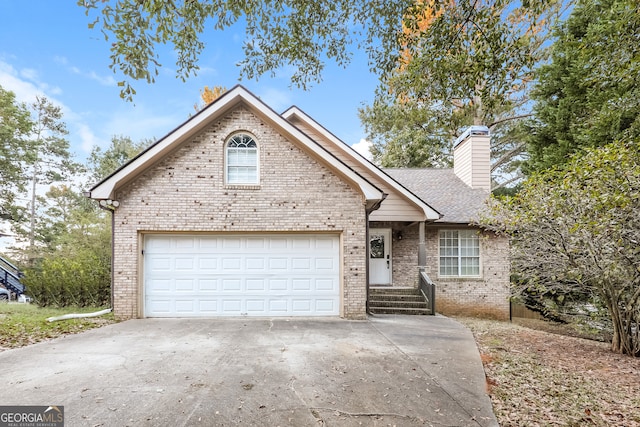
(242, 160)
(459, 253)
(376, 248)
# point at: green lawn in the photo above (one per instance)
(24, 324)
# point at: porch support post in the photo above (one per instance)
(422, 250)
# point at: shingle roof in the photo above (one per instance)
(442, 189)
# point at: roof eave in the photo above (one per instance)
(429, 212)
(107, 187)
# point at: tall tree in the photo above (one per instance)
(15, 126)
(76, 268)
(301, 34)
(102, 163)
(588, 95)
(462, 63)
(575, 232)
(49, 160)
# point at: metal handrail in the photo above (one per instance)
(11, 279)
(15, 272)
(428, 290)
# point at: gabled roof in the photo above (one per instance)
(415, 198)
(459, 203)
(229, 100)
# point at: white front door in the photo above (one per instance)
(380, 256)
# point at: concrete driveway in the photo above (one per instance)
(388, 370)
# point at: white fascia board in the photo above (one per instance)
(430, 213)
(370, 191)
(106, 188)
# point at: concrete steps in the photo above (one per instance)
(395, 300)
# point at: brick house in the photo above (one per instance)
(244, 211)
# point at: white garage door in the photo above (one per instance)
(241, 275)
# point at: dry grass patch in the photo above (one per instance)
(25, 324)
(538, 378)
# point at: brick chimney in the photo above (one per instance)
(472, 157)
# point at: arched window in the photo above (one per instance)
(241, 160)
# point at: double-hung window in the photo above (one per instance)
(241, 160)
(459, 253)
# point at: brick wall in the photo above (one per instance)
(186, 192)
(404, 252)
(487, 296)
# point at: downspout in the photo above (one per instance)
(110, 206)
(367, 212)
(107, 205)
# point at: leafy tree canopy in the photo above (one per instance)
(103, 163)
(461, 63)
(588, 95)
(15, 126)
(297, 33)
(575, 232)
(302, 34)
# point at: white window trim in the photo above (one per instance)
(458, 276)
(253, 184)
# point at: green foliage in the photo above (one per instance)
(575, 232)
(298, 34)
(75, 268)
(46, 160)
(81, 278)
(15, 125)
(405, 136)
(475, 56)
(122, 149)
(588, 95)
(461, 63)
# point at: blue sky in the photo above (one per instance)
(47, 48)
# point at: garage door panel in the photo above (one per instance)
(256, 285)
(208, 307)
(231, 264)
(302, 306)
(327, 285)
(278, 284)
(222, 275)
(278, 306)
(231, 306)
(159, 264)
(231, 285)
(254, 264)
(325, 306)
(185, 285)
(301, 264)
(301, 284)
(207, 285)
(278, 263)
(208, 263)
(184, 306)
(185, 243)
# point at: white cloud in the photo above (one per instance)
(25, 91)
(29, 74)
(137, 122)
(276, 99)
(87, 138)
(362, 148)
(103, 80)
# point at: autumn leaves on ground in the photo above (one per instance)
(538, 378)
(534, 378)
